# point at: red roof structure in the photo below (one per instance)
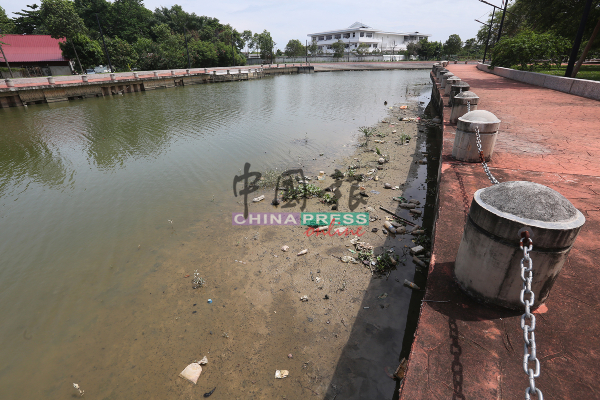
(32, 49)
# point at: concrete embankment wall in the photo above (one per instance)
(577, 87)
(38, 90)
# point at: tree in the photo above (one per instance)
(29, 22)
(264, 42)
(122, 55)
(247, 39)
(362, 49)
(7, 26)
(338, 49)
(62, 20)
(295, 48)
(452, 45)
(89, 51)
(129, 20)
(313, 48)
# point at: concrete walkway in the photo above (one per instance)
(463, 350)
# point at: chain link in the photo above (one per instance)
(529, 348)
(482, 159)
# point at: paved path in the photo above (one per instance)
(369, 66)
(463, 350)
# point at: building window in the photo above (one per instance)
(362, 34)
(328, 37)
(346, 36)
(329, 47)
(375, 45)
(369, 34)
(338, 36)
(353, 34)
(314, 38)
(347, 45)
(320, 47)
(321, 37)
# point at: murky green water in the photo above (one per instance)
(86, 192)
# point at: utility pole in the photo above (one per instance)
(104, 44)
(6, 61)
(502, 21)
(489, 34)
(578, 37)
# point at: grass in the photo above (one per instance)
(591, 72)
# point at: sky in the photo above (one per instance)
(296, 19)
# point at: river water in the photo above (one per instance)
(104, 200)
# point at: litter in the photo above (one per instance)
(304, 298)
(257, 199)
(302, 252)
(416, 212)
(191, 372)
(389, 227)
(204, 361)
(280, 374)
(285, 248)
(417, 249)
(382, 296)
(348, 259)
(403, 107)
(207, 394)
(411, 285)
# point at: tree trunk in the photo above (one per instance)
(585, 51)
(77, 56)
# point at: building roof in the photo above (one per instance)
(32, 48)
(359, 26)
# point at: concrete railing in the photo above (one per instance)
(577, 87)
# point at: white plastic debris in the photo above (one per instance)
(285, 248)
(191, 372)
(204, 361)
(417, 249)
(259, 198)
(302, 252)
(348, 259)
(304, 298)
(280, 374)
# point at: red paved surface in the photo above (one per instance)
(463, 350)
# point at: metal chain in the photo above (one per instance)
(482, 159)
(529, 348)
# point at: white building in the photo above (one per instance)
(358, 33)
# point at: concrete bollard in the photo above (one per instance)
(9, 82)
(187, 72)
(155, 74)
(228, 72)
(460, 106)
(439, 71)
(444, 64)
(136, 75)
(172, 73)
(456, 88)
(240, 71)
(449, 81)
(84, 78)
(51, 80)
(113, 77)
(465, 142)
(487, 265)
(206, 70)
(215, 73)
(443, 77)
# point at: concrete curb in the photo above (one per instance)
(577, 87)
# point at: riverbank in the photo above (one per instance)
(463, 349)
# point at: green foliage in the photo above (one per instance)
(135, 36)
(453, 45)
(29, 22)
(313, 48)
(295, 48)
(338, 49)
(7, 26)
(302, 191)
(590, 72)
(425, 49)
(90, 51)
(362, 49)
(528, 49)
(61, 18)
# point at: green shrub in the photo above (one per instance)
(528, 50)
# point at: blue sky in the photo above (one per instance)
(295, 19)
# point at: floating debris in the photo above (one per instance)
(411, 285)
(280, 374)
(191, 372)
